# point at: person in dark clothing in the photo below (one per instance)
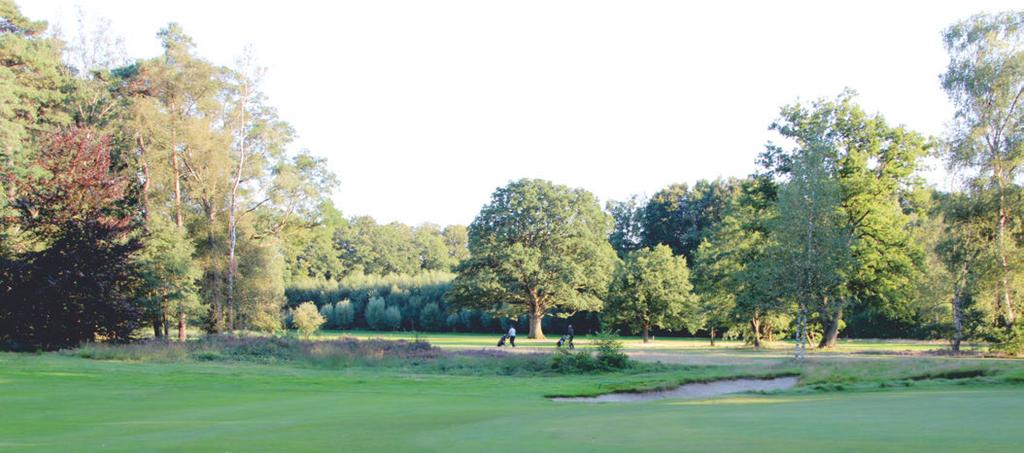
(570, 332)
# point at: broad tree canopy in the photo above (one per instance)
(537, 246)
(651, 288)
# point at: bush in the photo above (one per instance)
(307, 319)
(1011, 342)
(344, 314)
(393, 318)
(432, 318)
(411, 294)
(376, 314)
(327, 311)
(265, 321)
(565, 361)
(609, 352)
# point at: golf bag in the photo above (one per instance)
(501, 342)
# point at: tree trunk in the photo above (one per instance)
(958, 326)
(157, 331)
(801, 333)
(178, 221)
(831, 334)
(181, 325)
(180, 224)
(536, 316)
(232, 267)
(217, 317)
(145, 179)
(232, 212)
(712, 332)
(1009, 314)
(647, 333)
(535, 328)
(958, 293)
(755, 326)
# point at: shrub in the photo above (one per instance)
(376, 314)
(393, 318)
(344, 314)
(609, 352)
(306, 318)
(454, 322)
(265, 321)
(432, 318)
(410, 294)
(1011, 342)
(565, 361)
(327, 311)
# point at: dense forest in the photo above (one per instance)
(162, 194)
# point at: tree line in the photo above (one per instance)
(836, 229)
(161, 192)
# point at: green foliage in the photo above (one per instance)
(344, 314)
(609, 357)
(330, 319)
(651, 289)
(396, 248)
(527, 257)
(392, 318)
(681, 217)
(628, 234)
(871, 167)
(259, 289)
(167, 272)
(410, 294)
(570, 362)
(609, 352)
(812, 252)
(376, 314)
(1011, 341)
(307, 319)
(731, 273)
(985, 82)
(432, 319)
(33, 104)
(456, 240)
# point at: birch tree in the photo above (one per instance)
(985, 82)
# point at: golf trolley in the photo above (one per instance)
(565, 339)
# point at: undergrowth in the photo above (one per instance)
(414, 356)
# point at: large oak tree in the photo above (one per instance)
(536, 247)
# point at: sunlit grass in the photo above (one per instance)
(62, 402)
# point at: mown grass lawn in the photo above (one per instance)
(664, 344)
(57, 402)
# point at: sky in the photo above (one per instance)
(423, 108)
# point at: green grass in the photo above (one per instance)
(848, 403)
(661, 344)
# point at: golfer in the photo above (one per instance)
(512, 336)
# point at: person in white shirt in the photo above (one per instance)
(512, 336)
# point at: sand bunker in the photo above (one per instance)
(691, 391)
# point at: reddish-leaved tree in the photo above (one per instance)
(76, 285)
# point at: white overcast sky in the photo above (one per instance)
(423, 107)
